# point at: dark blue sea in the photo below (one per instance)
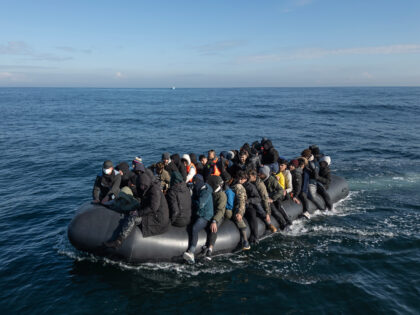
(363, 257)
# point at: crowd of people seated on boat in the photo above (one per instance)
(247, 183)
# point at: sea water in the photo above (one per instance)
(364, 256)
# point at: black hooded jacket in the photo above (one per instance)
(106, 185)
(324, 176)
(253, 196)
(297, 181)
(179, 201)
(269, 154)
(176, 159)
(128, 178)
(154, 208)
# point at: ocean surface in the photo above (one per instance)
(363, 257)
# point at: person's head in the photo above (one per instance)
(176, 178)
(186, 159)
(139, 168)
(123, 168)
(252, 175)
(159, 167)
(215, 182)
(107, 167)
(211, 155)
(267, 145)
(314, 149)
(243, 155)
(302, 162)
(306, 153)
(143, 183)
(241, 177)
(264, 172)
(166, 158)
(193, 158)
(282, 165)
(203, 159)
(325, 161)
(293, 164)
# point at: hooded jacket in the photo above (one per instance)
(128, 178)
(324, 176)
(269, 154)
(192, 170)
(274, 189)
(106, 185)
(202, 198)
(154, 208)
(179, 201)
(297, 181)
(175, 158)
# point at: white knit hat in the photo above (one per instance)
(326, 158)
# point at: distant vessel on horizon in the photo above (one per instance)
(173, 88)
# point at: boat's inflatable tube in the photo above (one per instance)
(95, 224)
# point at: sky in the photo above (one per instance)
(229, 43)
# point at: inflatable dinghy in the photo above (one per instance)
(95, 224)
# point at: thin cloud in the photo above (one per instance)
(15, 48)
(19, 48)
(73, 50)
(25, 67)
(315, 53)
(219, 46)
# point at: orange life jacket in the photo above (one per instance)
(216, 170)
(188, 170)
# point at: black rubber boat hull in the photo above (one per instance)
(95, 224)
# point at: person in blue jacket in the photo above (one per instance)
(203, 203)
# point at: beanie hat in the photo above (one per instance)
(214, 181)
(230, 155)
(140, 167)
(294, 162)
(107, 164)
(326, 158)
(166, 156)
(265, 170)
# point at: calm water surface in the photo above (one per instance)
(362, 257)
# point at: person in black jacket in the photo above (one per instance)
(176, 159)
(270, 156)
(179, 201)
(324, 179)
(169, 164)
(128, 178)
(253, 208)
(242, 165)
(152, 216)
(107, 184)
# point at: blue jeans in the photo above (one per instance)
(200, 224)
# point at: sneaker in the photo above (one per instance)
(204, 249)
(208, 254)
(188, 257)
(306, 215)
(272, 228)
(246, 246)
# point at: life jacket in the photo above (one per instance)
(281, 179)
(188, 170)
(215, 170)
